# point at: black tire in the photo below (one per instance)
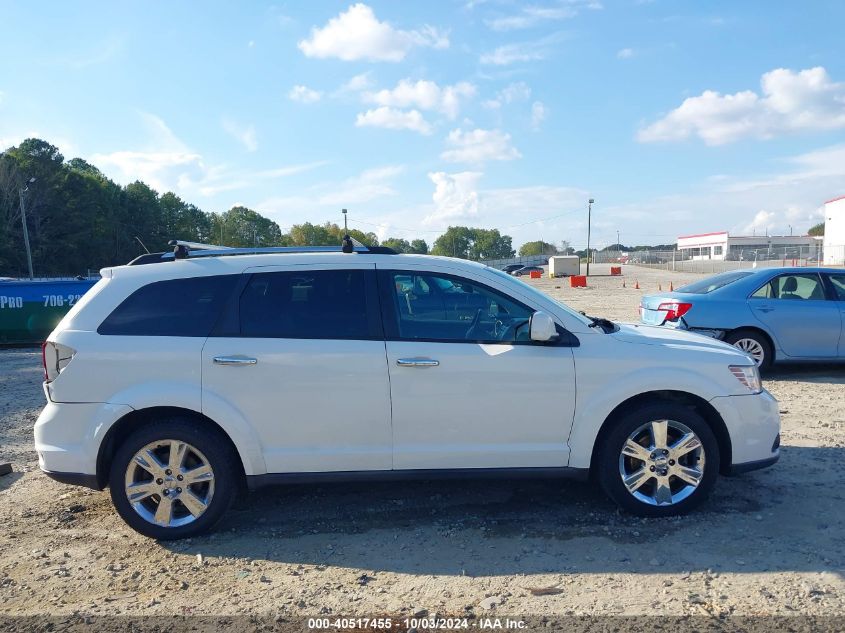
(610, 448)
(214, 447)
(760, 339)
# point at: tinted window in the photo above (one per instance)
(713, 283)
(792, 287)
(838, 283)
(176, 307)
(305, 304)
(446, 308)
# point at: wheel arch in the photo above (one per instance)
(135, 419)
(697, 403)
(758, 330)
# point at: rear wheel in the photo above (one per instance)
(173, 479)
(659, 460)
(754, 344)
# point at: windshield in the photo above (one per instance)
(527, 288)
(713, 283)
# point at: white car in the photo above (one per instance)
(180, 383)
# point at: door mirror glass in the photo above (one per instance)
(542, 328)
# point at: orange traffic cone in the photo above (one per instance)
(637, 284)
(623, 283)
(671, 287)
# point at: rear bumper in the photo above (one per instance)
(75, 479)
(68, 438)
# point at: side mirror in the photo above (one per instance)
(542, 328)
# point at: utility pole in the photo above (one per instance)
(21, 191)
(589, 214)
(618, 246)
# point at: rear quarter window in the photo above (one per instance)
(175, 307)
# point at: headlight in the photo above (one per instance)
(749, 376)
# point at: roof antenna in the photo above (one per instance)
(142, 244)
(346, 244)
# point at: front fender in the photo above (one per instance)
(611, 389)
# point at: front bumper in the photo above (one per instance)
(753, 423)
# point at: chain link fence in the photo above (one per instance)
(735, 259)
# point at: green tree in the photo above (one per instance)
(328, 234)
(537, 248)
(243, 227)
(472, 243)
(817, 230)
(419, 247)
(397, 244)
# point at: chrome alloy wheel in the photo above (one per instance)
(662, 462)
(169, 483)
(752, 348)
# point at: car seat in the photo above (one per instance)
(790, 285)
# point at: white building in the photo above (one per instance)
(722, 245)
(834, 232)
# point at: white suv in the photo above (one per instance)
(180, 383)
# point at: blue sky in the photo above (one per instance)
(676, 116)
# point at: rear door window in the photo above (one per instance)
(175, 307)
(309, 304)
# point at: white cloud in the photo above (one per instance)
(358, 83)
(625, 53)
(477, 146)
(516, 91)
(244, 134)
(789, 102)
(394, 119)
(368, 186)
(358, 35)
(539, 112)
(161, 164)
(304, 94)
(533, 15)
(533, 50)
(455, 196)
(425, 95)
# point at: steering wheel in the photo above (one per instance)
(475, 321)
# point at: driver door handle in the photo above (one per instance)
(765, 308)
(417, 362)
(234, 360)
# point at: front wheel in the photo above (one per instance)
(755, 345)
(173, 478)
(659, 460)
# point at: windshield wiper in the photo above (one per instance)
(605, 324)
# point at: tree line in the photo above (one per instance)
(79, 220)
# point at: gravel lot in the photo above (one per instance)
(769, 542)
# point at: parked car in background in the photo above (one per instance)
(527, 270)
(228, 369)
(772, 314)
(512, 267)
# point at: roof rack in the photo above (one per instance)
(193, 250)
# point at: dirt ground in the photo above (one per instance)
(769, 542)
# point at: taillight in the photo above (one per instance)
(674, 309)
(55, 357)
(44, 359)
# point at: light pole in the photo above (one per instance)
(21, 191)
(345, 230)
(589, 214)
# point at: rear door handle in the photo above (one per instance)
(417, 362)
(765, 308)
(235, 360)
